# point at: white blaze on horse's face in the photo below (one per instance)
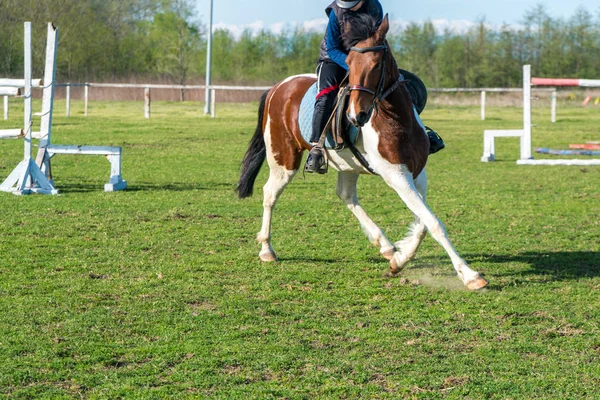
(366, 63)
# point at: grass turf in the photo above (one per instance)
(157, 292)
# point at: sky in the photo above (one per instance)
(276, 15)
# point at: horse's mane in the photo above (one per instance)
(358, 27)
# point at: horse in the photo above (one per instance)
(392, 140)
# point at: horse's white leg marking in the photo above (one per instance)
(279, 177)
(346, 191)
(417, 231)
(400, 179)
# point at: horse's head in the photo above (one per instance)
(367, 65)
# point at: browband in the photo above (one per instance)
(368, 49)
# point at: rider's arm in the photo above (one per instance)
(379, 12)
(333, 42)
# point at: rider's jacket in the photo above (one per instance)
(332, 46)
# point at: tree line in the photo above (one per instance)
(107, 40)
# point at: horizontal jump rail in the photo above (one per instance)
(492, 90)
(10, 91)
(566, 82)
(89, 150)
(20, 83)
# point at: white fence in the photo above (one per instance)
(214, 88)
(147, 92)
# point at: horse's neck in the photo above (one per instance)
(397, 105)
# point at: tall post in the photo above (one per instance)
(27, 177)
(27, 124)
(48, 93)
(5, 107)
(526, 137)
(208, 61)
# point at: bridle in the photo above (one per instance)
(378, 94)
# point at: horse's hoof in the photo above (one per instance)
(389, 254)
(268, 256)
(397, 263)
(477, 283)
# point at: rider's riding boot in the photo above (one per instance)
(316, 162)
(436, 143)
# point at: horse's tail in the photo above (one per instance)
(255, 155)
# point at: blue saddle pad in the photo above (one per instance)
(305, 117)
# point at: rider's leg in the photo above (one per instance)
(436, 143)
(329, 77)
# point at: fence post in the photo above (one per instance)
(483, 105)
(5, 107)
(213, 102)
(147, 102)
(86, 95)
(553, 112)
(68, 99)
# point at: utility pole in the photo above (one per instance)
(209, 61)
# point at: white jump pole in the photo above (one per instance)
(43, 158)
(27, 177)
(526, 137)
(526, 158)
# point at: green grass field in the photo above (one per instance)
(157, 292)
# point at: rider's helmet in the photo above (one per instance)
(347, 3)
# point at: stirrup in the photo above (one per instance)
(316, 162)
(436, 143)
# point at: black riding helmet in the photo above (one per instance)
(347, 3)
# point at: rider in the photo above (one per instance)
(332, 68)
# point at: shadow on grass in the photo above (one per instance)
(310, 259)
(541, 267)
(560, 265)
(144, 186)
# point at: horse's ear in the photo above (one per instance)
(383, 29)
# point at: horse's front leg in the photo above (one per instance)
(346, 191)
(401, 180)
(417, 231)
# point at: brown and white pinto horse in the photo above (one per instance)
(392, 140)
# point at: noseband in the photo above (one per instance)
(378, 93)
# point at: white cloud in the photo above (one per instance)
(319, 25)
(316, 25)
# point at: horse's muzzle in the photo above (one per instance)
(360, 119)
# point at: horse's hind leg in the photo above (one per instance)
(279, 177)
(417, 231)
(402, 182)
(346, 191)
